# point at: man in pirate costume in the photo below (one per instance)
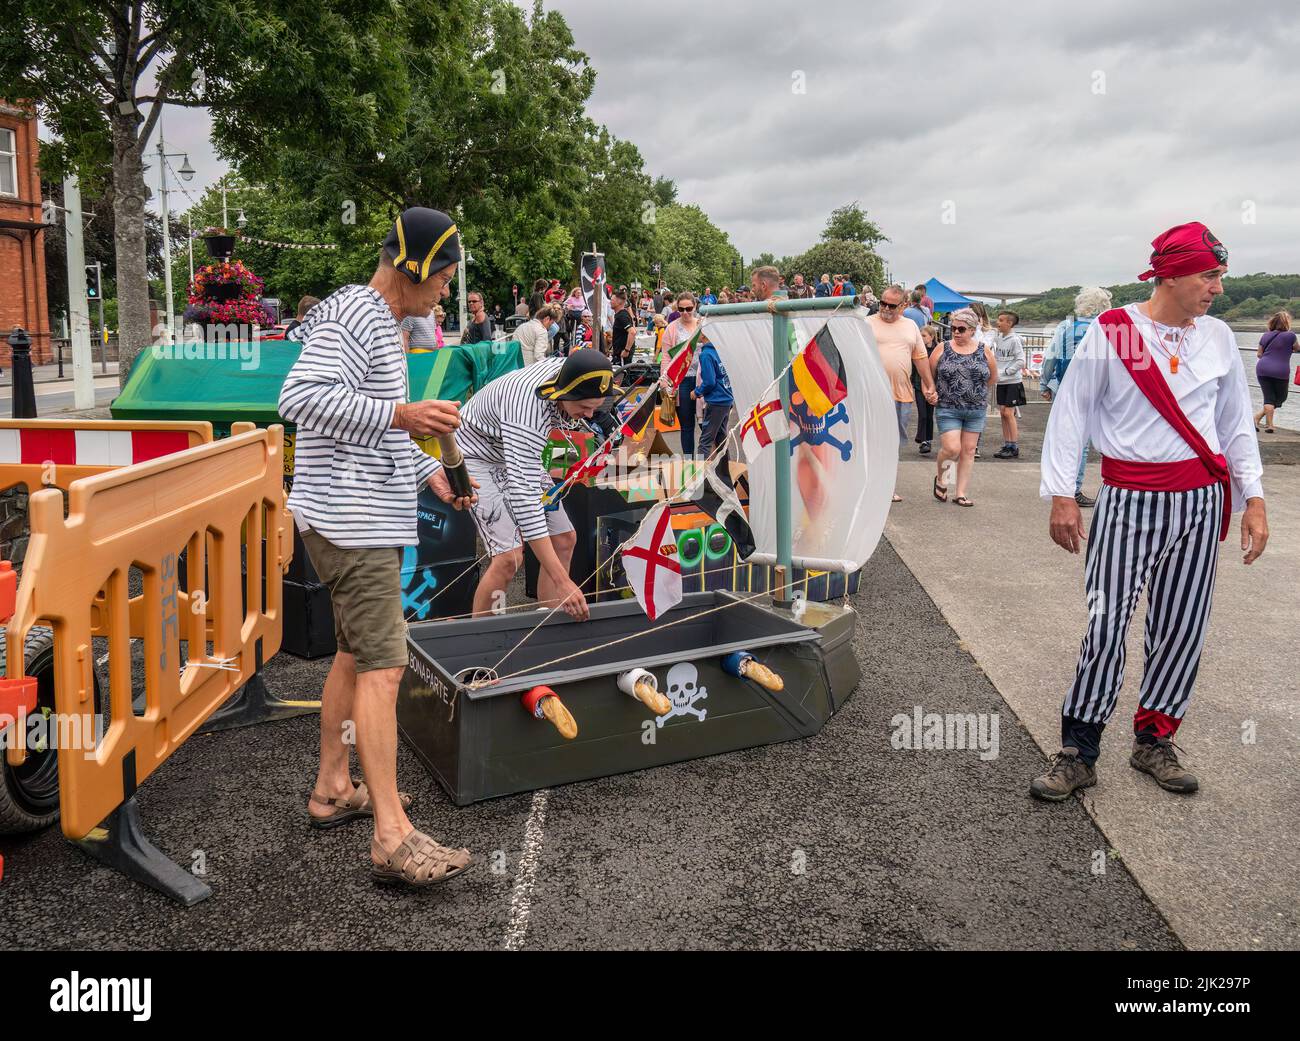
(353, 500)
(504, 428)
(1160, 390)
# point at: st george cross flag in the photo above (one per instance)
(765, 423)
(712, 491)
(818, 373)
(677, 361)
(650, 560)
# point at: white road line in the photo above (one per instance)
(522, 897)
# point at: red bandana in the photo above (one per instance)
(1184, 250)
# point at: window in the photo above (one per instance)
(8, 162)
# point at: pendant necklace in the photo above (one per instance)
(1172, 353)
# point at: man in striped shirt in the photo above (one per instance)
(356, 477)
(504, 429)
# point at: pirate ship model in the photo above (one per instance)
(516, 702)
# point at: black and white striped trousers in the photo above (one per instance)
(1167, 543)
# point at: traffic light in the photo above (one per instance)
(92, 282)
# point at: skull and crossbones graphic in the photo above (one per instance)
(816, 430)
(684, 691)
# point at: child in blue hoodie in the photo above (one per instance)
(715, 388)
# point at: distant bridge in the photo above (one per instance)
(1000, 296)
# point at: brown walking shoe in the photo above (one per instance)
(1161, 762)
(1066, 773)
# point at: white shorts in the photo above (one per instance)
(493, 516)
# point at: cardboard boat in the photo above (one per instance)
(481, 742)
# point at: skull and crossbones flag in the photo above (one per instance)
(650, 561)
(712, 492)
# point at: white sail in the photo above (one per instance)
(843, 465)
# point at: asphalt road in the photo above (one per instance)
(49, 404)
(834, 842)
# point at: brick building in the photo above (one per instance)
(22, 238)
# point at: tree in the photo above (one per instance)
(489, 106)
(278, 214)
(102, 71)
(839, 257)
(695, 252)
(664, 191)
(851, 224)
(617, 209)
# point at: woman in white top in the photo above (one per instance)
(685, 326)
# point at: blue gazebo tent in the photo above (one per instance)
(945, 299)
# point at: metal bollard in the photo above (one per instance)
(24, 397)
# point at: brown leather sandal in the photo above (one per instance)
(350, 809)
(417, 861)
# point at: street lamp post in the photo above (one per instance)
(187, 172)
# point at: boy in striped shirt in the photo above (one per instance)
(504, 428)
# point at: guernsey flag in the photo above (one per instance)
(818, 373)
(765, 423)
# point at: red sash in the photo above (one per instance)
(1207, 468)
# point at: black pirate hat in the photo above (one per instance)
(585, 374)
(422, 242)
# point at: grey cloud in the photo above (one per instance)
(987, 104)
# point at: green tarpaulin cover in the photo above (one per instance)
(242, 381)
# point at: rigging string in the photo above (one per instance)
(709, 462)
(589, 597)
(632, 636)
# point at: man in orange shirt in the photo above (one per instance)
(900, 345)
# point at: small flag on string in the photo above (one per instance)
(818, 373)
(678, 361)
(634, 425)
(765, 423)
(650, 561)
(712, 492)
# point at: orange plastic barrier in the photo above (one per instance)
(221, 502)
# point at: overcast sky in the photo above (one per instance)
(1001, 146)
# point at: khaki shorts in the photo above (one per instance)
(366, 593)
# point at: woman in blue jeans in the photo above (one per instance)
(679, 330)
(964, 375)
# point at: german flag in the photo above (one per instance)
(818, 373)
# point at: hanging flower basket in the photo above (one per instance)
(235, 312)
(222, 277)
(220, 242)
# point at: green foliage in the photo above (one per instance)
(851, 224)
(696, 253)
(838, 257)
(1245, 298)
(277, 214)
(616, 208)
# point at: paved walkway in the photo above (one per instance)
(1221, 865)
